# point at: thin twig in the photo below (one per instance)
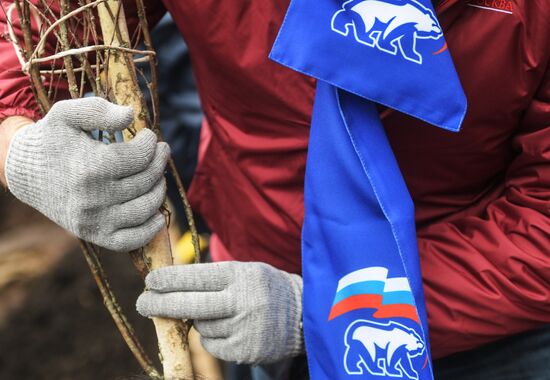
(19, 51)
(93, 67)
(148, 41)
(84, 62)
(71, 78)
(115, 311)
(187, 208)
(86, 49)
(36, 81)
(43, 38)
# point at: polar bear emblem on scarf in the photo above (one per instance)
(391, 26)
(381, 349)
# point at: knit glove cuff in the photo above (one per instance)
(25, 166)
(295, 345)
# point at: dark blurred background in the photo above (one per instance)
(53, 324)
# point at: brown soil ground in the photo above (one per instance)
(52, 321)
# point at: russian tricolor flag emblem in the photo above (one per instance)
(370, 288)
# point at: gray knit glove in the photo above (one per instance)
(245, 312)
(106, 194)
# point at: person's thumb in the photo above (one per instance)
(89, 114)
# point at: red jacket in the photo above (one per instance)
(482, 196)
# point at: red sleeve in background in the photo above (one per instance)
(16, 96)
(488, 276)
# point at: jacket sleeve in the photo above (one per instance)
(16, 96)
(488, 276)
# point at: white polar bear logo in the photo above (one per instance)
(388, 25)
(381, 349)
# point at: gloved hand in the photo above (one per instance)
(245, 312)
(108, 194)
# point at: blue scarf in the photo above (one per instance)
(364, 313)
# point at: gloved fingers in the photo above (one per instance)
(139, 210)
(92, 113)
(218, 347)
(126, 189)
(197, 277)
(122, 160)
(231, 349)
(213, 328)
(141, 182)
(185, 305)
(128, 239)
(242, 348)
